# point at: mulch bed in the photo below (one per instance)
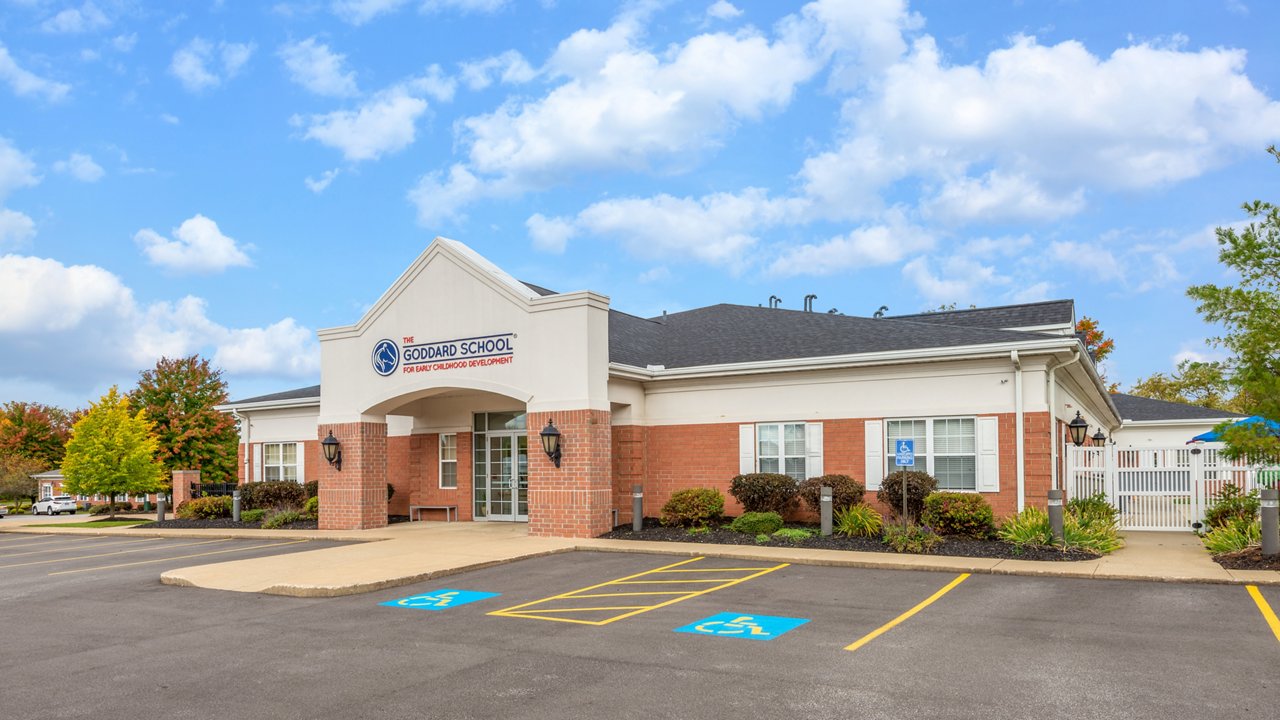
(1248, 559)
(223, 524)
(951, 546)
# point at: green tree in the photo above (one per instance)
(16, 483)
(1249, 314)
(35, 432)
(112, 451)
(1207, 384)
(178, 396)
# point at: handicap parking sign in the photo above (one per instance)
(905, 453)
(440, 599)
(738, 625)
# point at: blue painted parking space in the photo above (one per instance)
(442, 599)
(748, 627)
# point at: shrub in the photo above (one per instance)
(702, 530)
(1092, 509)
(1231, 503)
(859, 520)
(312, 508)
(845, 492)
(107, 508)
(954, 513)
(1029, 528)
(1095, 535)
(1237, 534)
(274, 495)
(252, 516)
(282, 518)
(693, 506)
(312, 488)
(205, 508)
(912, 539)
(919, 485)
(764, 492)
(762, 538)
(792, 534)
(757, 523)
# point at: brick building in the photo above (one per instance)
(443, 388)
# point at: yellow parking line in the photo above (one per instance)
(76, 547)
(904, 616)
(1267, 613)
(177, 557)
(634, 594)
(711, 570)
(526, 610)
(117, 552)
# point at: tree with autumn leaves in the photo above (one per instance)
(1097, 344)
(33, 439)
(112, 451)
(178, 396)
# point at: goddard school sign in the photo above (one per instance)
(409, 356)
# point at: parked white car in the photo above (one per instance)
(4, 510)
(55, 505)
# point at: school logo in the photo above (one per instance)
(386, 357)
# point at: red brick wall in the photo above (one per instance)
(355, 497)
(575, 499)
(424, 461)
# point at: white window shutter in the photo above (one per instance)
(813, 450)
(873, 436)
(746, 449)
(302, 462)
(257, 463)
(988, 436)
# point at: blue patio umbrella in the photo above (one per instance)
(1272, 427)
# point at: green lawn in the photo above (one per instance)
(94, 524)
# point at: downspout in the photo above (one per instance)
(1053, 415)
(1018, 427)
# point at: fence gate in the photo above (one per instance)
(1156, 488)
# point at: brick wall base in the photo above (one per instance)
(355, 497)
(575, 499)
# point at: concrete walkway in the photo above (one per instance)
(408, 553)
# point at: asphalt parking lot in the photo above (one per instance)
(627, 636)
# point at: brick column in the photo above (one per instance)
(355, 497)
(575, 499)
(182, 480)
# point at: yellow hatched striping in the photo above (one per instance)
(1268, 614)
(537, 610)
(906, 615)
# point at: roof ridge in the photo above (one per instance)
(984, 309)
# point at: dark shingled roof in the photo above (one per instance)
(538, 289)
(1133, 407)
(305, 393)
(1049, 312)
(722, 334)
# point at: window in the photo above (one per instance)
(280, 462)
(449, 461)
(946, 448)
(780, 449)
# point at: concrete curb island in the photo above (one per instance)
(409, 553)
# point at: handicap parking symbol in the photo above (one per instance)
(749, 627)
(440, 599)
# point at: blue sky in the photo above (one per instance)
(228, 177)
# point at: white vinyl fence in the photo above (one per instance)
(1159, 488)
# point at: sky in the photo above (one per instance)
(225, 178)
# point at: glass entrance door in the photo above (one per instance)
(501, 467)
(508, 477)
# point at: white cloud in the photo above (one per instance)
(433, 83)
(384, 124)
(81, 167)
(124, 43)
(16, 229)
(62, 314)
(359, 12)
(550, 234)
(861, 38)
(1093, 259)
(864, 247)
(195, 64)
(723, 10)
(16, 169)
(440, 198)
(1034, 292)
(315, 67)
(170, 119)
(509, 68)
(999, 197)
(24, 82)
(85, 18)
(198, 247)
(1158, 270)
(318, 185)
(961, 280)
(464, 6)
(1197, 351)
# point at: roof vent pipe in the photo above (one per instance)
(880, 313)
(808, 302)
(774, 301)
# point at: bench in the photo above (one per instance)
(450, 511)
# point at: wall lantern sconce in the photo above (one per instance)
(1099, 439)
(332, 452)
(1079, 430)
(551, 442)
